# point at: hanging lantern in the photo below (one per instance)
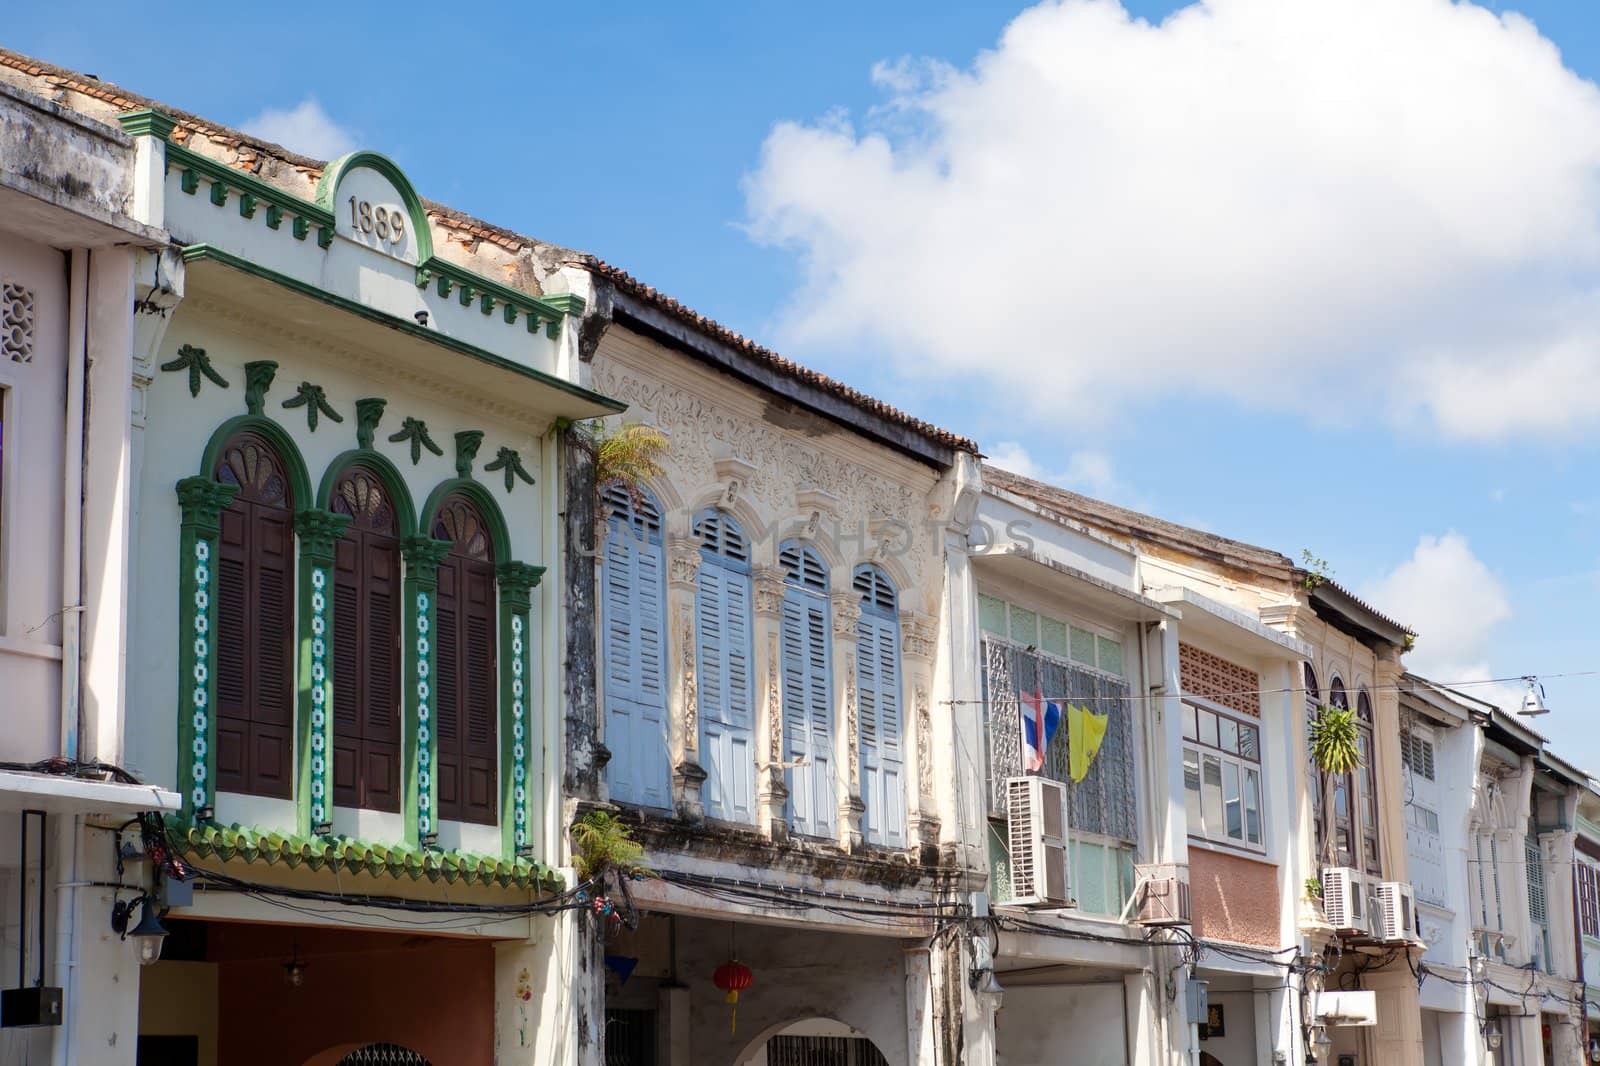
(733, 977)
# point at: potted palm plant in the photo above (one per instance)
(1335, 750)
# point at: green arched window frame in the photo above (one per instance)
(515, 582)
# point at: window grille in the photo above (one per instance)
(823, 1051)
(383, 1055)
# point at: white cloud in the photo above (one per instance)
(1455, 603)
(1087, 471)
(1371, 207)
(304, 128)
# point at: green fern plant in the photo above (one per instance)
(602, 843)
(1335, 749)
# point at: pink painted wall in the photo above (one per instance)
(432, 995)
(1233, 898)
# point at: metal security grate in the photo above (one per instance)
(630, 1038)
(823, 1051)
(383, 1055)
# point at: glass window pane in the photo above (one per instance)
(1230, 734)
(1110, 655)
(1024, 626)
(1250, 742)
(1053, 636)
(1208, 728)
(992, 614)
(1211, 793)
(1191, 792)
(1188, 723)
(1252, 806)
(1082, 646)
(1230, 797)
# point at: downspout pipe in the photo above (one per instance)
(66, 844)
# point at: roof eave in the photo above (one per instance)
(643, 317)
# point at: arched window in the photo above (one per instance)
(722, 668)
(878, 694)
(465, 684)
(1367, 783)
(807, 690)
(1341, 813)
(366, 645)
(633, 642)
(255, 628)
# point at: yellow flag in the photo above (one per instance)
(1085, 731)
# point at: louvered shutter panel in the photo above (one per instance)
(722, 605)
(447, 689)
(636, 720)
(348, 672)
(233, 652)
(380, 648)
(480, 752)
(807, 712)
(882, 759)
(272, 717)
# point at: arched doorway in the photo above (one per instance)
(814, 1042)
(383, 1055)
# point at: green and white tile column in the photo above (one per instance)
(422, 558)
(517, 735)
(203, 502)
(319, 531)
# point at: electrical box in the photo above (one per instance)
(29, 1008)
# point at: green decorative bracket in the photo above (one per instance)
(198, 364)
(189, 180)
(508, 460)
(467, 444)
(300, 227)
(468, 287)
(368, 413)
(219, 193)
(147, 122)
(313, 400)
(247, 205)
(324, 236)
(415, 430)
(258, 377)
(274, 216)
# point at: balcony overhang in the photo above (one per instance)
(1219, 623)
(398, 345)
(64, 794)
(1020, 563)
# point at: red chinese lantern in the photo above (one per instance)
(733, 977)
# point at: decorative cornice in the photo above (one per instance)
(254, 192)
(318, 531)
(517, 581)
(203, 502)
(470, 288)
(147, 122)
(423, 556)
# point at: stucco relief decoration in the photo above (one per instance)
(16, 322)
(769, 590)
(852, 723)
(691, 711)
(683, 563)
(916, 638)
(702, 432)
(846, 618)
(774, 705)
(924, 743)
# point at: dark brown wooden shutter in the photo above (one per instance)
(347, 660)
(255, 625)
(467, 687)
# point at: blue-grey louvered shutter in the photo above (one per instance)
(633, 645)
(722, 656)
(808, 692)
(878, 694)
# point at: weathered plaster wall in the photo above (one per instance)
(1047, 1024)
(1233, 898)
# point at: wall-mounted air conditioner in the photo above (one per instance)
(1163, 894)
(1036, 830)
(1394, 916)
(1344, 900)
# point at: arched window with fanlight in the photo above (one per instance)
(255, 690)
(465, 684)
(633, 629)
(367, 601)
(879, 698)
(1313, 706)
(1341, 814)
(1366, 780)
(807, 689)
(723, 654)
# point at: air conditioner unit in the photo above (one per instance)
(1036, 828)
(1394, 916)
(1344, 900)
(1163, 894)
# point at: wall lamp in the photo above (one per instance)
(1491, 1034)
(148, 933)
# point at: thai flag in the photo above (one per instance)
(1039, 720)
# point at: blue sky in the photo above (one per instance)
(650, 136)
